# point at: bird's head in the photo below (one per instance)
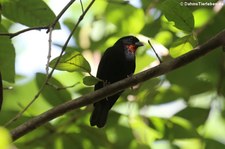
(130, 43)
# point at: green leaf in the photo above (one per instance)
(183, 45)
(7, 57)
(180, 15)
(28, 12)
(5, 138)
(2, 1)
(180, 128)
(202, 16)
(51, 94)
(168, 95)
(213, 144)
(6, 114)
(90, 80)
(164, 37)
(142, 61)
(72, 61)
(147, 92)
(200, 117)
(125, 18)
(1, 91)
(144, 134)
(202, 74)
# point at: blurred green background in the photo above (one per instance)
(183, 109)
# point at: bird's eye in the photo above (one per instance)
(130, 39)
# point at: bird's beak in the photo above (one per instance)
(139, 44)
(133, 47)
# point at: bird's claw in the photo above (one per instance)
(105, 83)
(130, 75)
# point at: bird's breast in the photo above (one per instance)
(116, 65)
(129, 56)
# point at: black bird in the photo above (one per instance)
(117, 63)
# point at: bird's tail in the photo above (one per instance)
(99, 115)
(101, 110)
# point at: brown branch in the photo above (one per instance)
(163, 68)
(11, 35)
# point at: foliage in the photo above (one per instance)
(182, 109)
(5, 138)
(71, 62)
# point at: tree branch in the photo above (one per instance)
(163, 68)
(11, 35)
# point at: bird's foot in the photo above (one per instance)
(130, 75)
(105, 83)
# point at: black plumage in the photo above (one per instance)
(117, 63)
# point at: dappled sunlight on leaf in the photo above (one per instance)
(143, 133)
(183, 45)
(30, 13)
(72, 61)
(182, 16)
(5, 138)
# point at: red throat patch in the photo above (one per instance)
(131, 48)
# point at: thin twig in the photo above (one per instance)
(155, 51)
(25, 109)
(62, 88)
(163, 68)
(82, 7)
(11, 35)
(60, 14)
(53, 68)
(119, 2)
(49, 49)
